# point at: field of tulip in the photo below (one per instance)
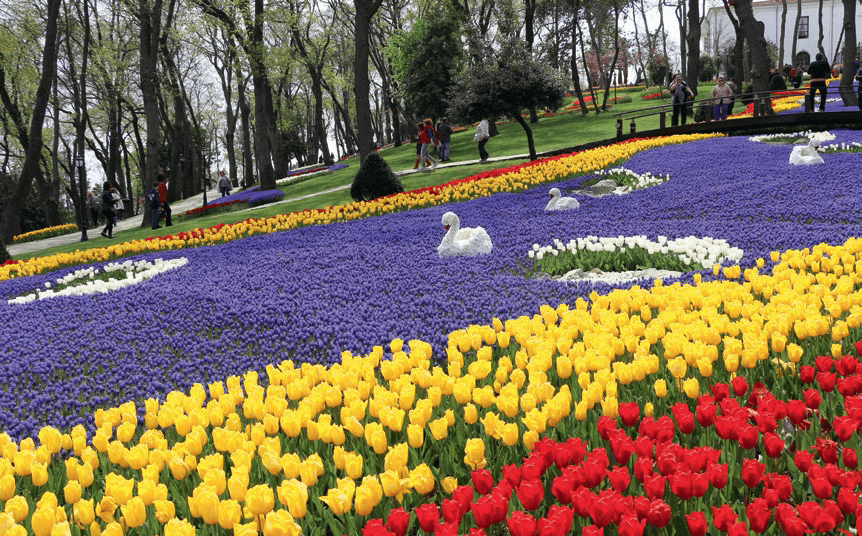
(330, 374)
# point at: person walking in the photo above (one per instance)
(419, 127)
(108, 210)
(482, 135)
(94, 208)
(223, 184)
(445, 132)
(679, 93)
(819, 71)
(163, 198)
(720, 95)
(426, 138)
(735, 89)
(153, 199)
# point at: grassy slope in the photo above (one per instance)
(550, 133)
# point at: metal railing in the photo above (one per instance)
(761, 100)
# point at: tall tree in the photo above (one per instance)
(845, 85)
(753, 30)
(10, 222)
(149, 15)
(365, 10)
(782, 25)
(796, 31)
(692, 39)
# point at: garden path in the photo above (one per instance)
(16, 250)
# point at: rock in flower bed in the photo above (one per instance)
(424, 384)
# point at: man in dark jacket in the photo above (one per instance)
(819, 71)
(445, 133)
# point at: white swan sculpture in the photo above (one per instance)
(469, 241)
(806, 155)
(561, 203)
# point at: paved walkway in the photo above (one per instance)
(21, 250)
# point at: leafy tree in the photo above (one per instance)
(505, 81)
(657, 70)
(4, 255)
(707, 68)
(374, 179)
(423, 59)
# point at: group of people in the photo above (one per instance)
(158, 200)
(429, 136)
(111, 207)
(723, 96)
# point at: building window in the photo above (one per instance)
(803, 27)
(803, 58)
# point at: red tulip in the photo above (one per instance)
(816, 517)
(622, 446)
(562, 489)
(858, 346)
(806, 373)
(781, 484)
(602, 511)
(647, 427)
(823, 363)
(848, 387)
(827, 450)
(664, 429)
(654, 486)
(720, 391)
(723, 517)
(796, 411)
(558, 522)
(521, 524)
(534, 467)
(844, 427)
(802, 459)
(680, 484)
(629, 413)
(482, 481)
(397, 521)
(619, 478)
(641, 506)
(717, 475)
(463, 495)
(451, 511)
(834, 510)
(644, 446)
(739, 385)
(592, 530)
(766, 422)
(752, 472)
(849, 458)
(659, 514)
(699, 484)
(826, 381)
(375, 527)
(683, 416)
(848, 500)
(643, 467)
(727, 427)
(593, 473)
(696, 522)
(582, 501)
(773, 445)
(705, 414)
(758, 514)
(812, 398)
(530, 493)
(428, 517)
(477, 532)
(737, 529)
(485, 511)
(630, 526)
(446, 529)
(845, 366)
(512, 474)
(748, 437)
(604, 426)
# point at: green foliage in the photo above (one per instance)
(631, 259)
(32, 215)
(423, 59)
(707, 68)
(506, 81)
(657, 71)
(374, 179)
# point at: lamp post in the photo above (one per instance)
(79, 163)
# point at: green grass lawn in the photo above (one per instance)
(563, 130)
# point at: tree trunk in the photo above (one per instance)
(529, 133)
(365, 10)
(820, 28)
(576, 77)
(796, 30)
(753, 30)
(150, 14)
(663, 35)
(845, 85)
(693, 45)
(738, 46)
(781, 35)
(682, 20)
(10, 222)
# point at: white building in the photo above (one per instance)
(718, 35)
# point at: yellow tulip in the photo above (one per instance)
(208, 505)
(165, 510)
(134, 512)
(449, 484)
(294, 494)
(229, 514)
(794, 353)
(660, 388)
(471, 415)
(42, 521)
(72, 492)
(7, 487)
(422, 479)
(18, 508)
(237, 485)
(260, 500)
(365, 500)
(691, 387)
(439, 428)
(337, 500)
(474, 453)
(280, 523)
(111, 529)
(179, 527)
(106, 509)
(85, 475)
(39, 474)
(415, 435)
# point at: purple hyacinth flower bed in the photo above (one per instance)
(311, 293)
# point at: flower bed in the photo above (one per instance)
(335, 376)
(264, 197)
(211, 208)
(47, 232)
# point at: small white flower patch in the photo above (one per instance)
(638, 181)
(819, 136)
(84, 281)
(705, 251)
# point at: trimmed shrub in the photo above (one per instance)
(374, 179)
